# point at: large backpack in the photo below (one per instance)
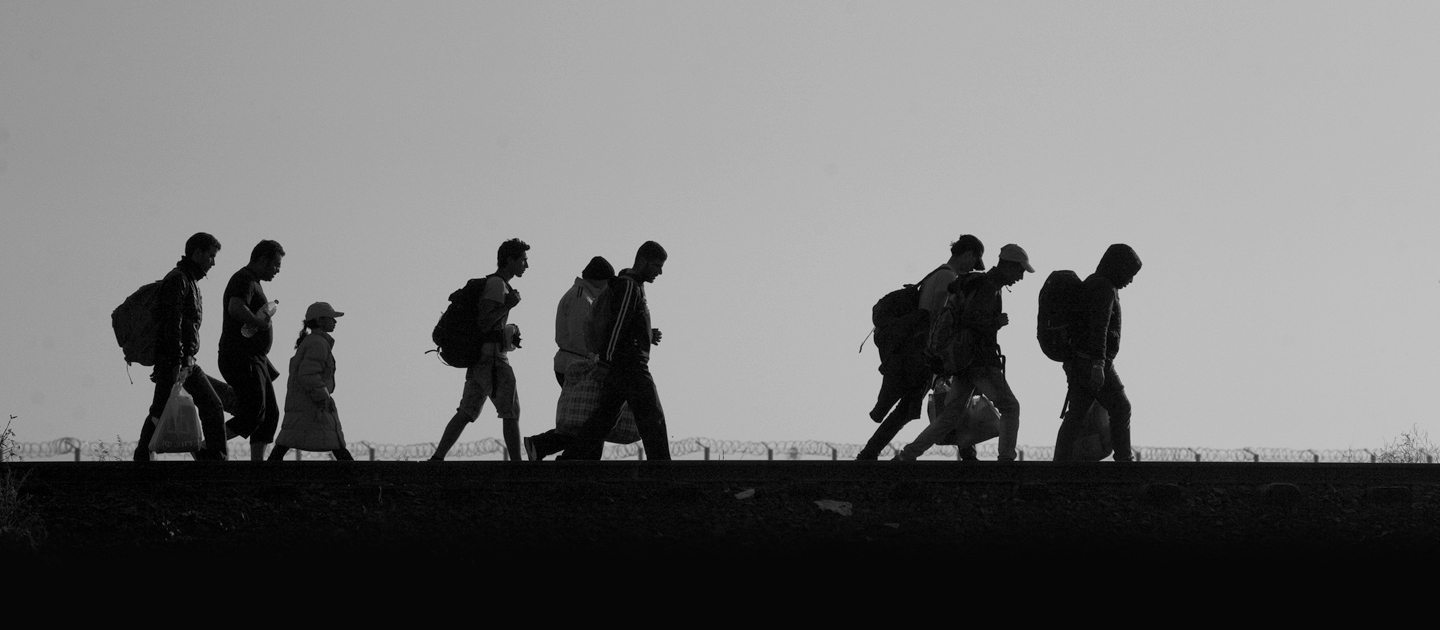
(948, 346)
(134, 324)
(900, 327)
(457, 335)
(1060, 314)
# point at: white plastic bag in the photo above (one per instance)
(178, 429)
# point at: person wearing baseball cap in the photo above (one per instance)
(312, 422)
(983, 316)
(908, 374)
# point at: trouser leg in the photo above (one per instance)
(615, 389)
(991, 383)
(644, 401)
(278, 453)
(142, 446)
(343, 454)
(907, 409)
(510, 430)
(212, 415)
(1113, 398)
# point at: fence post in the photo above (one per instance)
(1254, 457)
(769, 453)
(74, 445)
(707, 453)
(640, 453)
(1020, 454)
(371, 448)
(1372, 455)
(1194, 452)
(297, 454)
(1314, 457)
(834, 453)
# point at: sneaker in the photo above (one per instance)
(530, 452)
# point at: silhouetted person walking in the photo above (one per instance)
(177, 317)
(621, 335)
(492, 377)
(983, 317)
(244, 358)
(312, 421)
(570, 317)
(1090, 372)
(908, 374)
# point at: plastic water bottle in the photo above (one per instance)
(266, 312)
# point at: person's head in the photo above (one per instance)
(1013, 263)
(650, 261)
(511, 258)
(965, 253)
(320, 316)
(1119, 264)
(201, 249)
(598, 270)
(265, 259)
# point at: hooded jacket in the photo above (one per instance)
(570, 318)
(1101, 337)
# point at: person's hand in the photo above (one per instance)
(1002, 320)
(512, 298)
(515, 340)
(655, 336)
(1097, 375)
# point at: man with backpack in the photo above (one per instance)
(177, 316)
(491, 376)
(1090, 369)
(980, 365)
(619, 333)
(245, 339)
(908, 374)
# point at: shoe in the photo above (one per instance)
(530, 452)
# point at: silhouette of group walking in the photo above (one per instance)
(938, 337)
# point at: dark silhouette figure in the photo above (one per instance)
(244, 358)
(492, 377)
(908, 375)
(1090, 371)
(177, 317)
(984, 315)
(624, 354)
(312, 421)
(570, 317)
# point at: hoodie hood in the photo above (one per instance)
(1119, 263)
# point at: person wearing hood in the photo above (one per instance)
(570, 318)
(1090, 372)
(177, 317)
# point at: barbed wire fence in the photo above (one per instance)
(73, 449)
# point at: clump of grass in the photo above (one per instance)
(20, 527)
(103, 453)
(1412, 447)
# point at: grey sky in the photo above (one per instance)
(1273, 163)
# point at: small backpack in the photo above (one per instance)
(134, 324)
(900, 325)
(457, 335)
(1060, 313)
(948, 345)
